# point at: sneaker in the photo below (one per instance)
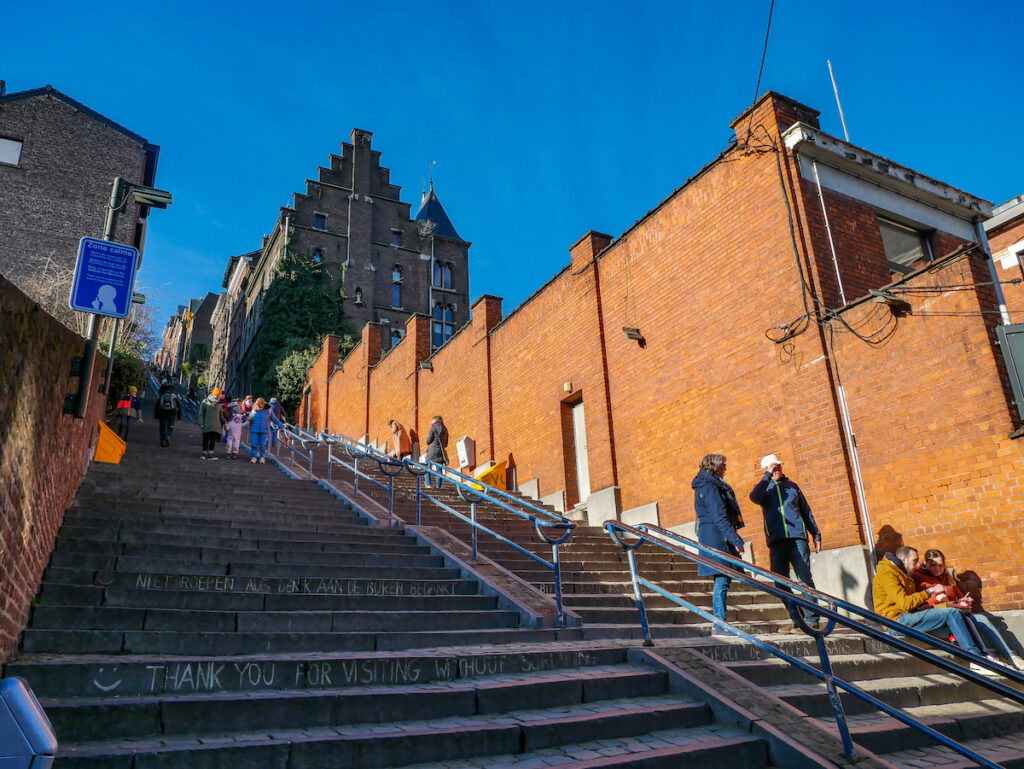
(213, 458)
(1017, 661)
(252, 461)
(203, 455)
(263, 460)
(976, 668)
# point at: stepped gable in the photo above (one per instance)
(200, 613)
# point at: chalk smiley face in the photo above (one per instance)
(106, 688)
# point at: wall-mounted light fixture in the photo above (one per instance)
(567, 387)
(897, 306)
(632, 333)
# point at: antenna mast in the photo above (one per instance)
(838, 104)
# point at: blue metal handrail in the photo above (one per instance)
(289, 435)
(553, 529)
(821, 603)
(472, 491)
(387, 465)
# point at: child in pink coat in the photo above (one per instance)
(234, 434)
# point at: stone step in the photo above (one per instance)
(222, 643)
(851, 667)
(1007, 752)
(103, 618)
(379, 555)
(86, 719)
(962, 721)
(677, 615)
(657, 724)
(364, 566)
(254, 525)
(901, 692)
(441, 596)
(71, 676)
(263, 584)
(243, 540)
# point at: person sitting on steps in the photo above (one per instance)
(896, 598)
(934, 572)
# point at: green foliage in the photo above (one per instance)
(291, 374)
(129, 369)
(302, 305)
(200, 353)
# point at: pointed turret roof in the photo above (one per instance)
(432, 212)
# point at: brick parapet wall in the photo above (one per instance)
(43, 453)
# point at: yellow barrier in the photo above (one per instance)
(109, 447)
(494, 476)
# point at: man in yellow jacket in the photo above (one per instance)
(896, 599)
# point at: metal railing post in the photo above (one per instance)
(355, 475)
(557, 569)
(631, 559)
(472, 515)
(418, 478)
(391, 497)
(330, 457)
(833, 695)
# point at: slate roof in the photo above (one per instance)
(433, 212)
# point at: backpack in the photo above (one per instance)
(167, 402)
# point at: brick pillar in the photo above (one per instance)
(586, 248)
(371, 342)
(486, 315)
(329, 355)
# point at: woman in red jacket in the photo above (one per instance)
(934, 572)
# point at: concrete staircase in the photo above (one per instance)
(217, 614)
(597, 589)
(596, 583)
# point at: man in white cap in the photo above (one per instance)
(787, 523)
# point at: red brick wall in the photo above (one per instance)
(43, 453)
(931, 417)
(458, 387)
(704, 277)
(1006, 236)
(394, 379)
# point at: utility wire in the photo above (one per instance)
(764, 52)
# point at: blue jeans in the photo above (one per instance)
(718, 596)
(258, 444)
(796, 553)
(939, 623)
(987, 634)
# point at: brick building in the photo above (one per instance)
(58, 159)
(800, 296)
(392, 264)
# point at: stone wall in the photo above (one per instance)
(43, 453)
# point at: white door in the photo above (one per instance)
(579, 429)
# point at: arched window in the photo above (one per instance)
(444, 323)
(396, 274)
(396, 336)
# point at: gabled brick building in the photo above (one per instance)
(800, 296)
(393, 264)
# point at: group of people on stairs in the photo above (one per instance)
(924, 596)
(220, 418)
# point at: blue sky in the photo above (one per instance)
(546, 119)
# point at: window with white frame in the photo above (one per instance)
(10, 152)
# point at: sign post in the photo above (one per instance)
(105, 299)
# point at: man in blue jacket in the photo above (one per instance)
(787, 522)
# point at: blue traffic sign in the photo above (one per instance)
(104, 278)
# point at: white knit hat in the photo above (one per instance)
(770, 460)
